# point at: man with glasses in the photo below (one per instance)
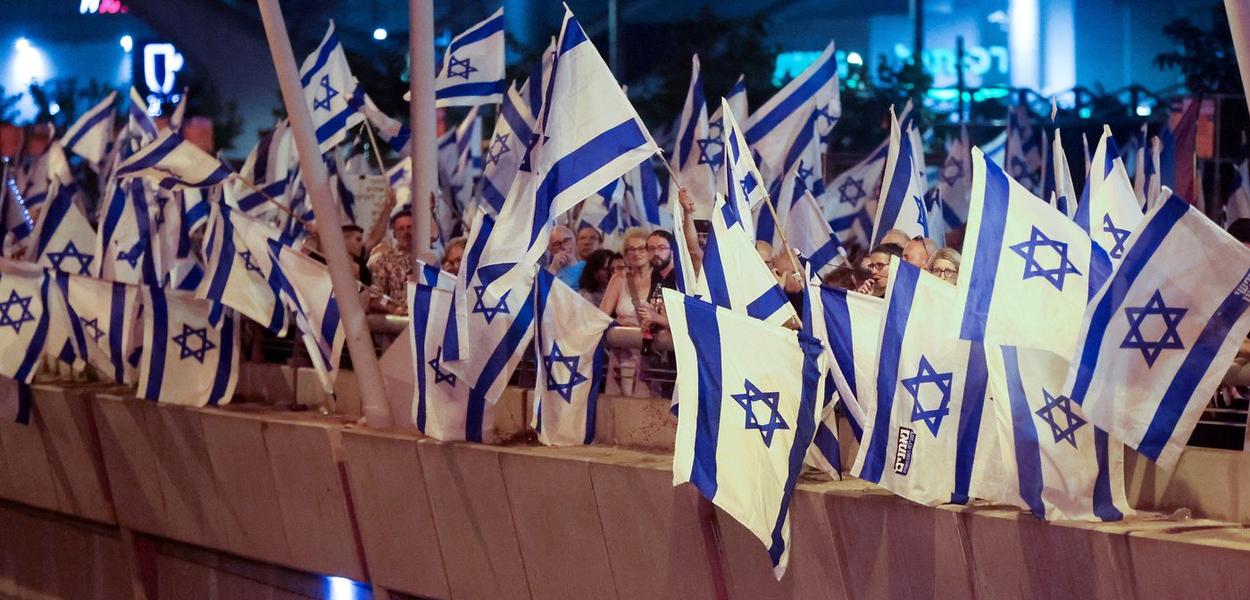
(562, 259)
(878, 263)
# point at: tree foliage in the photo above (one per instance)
(1205, 57)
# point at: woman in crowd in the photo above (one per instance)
(598, 271)
(625, 292)
(945, 264)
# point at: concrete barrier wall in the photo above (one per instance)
(243, 502)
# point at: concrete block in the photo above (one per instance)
(192, 504)
(26, 454)
(393, 513)
(635, 502)
(129, 450)
(73, 448)
(642, 423)
(474, 521)
(250, 516)
(557, 525)
(1190, 561)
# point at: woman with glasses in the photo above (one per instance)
(945, 264)
(625, 293)
(878, 264)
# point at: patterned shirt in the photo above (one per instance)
(390, 269)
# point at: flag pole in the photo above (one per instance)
(424, 128)
(359, 343)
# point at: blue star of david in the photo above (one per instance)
(747, 400)
(710, 150)
(246, 255)
(952, 170)
(851, 190)
(823, 114)
(716, 129)
(527, 163)
(1032, 268)
(92, 327)
(441, 376)
(330, 93)
(465, 70)
(23, 316)
(1118, 236)
(804, 174)
(71, 251)
(922, 215)
(1064, 405)
(132, 255)
(925, 373)
(1170, 339)
(489, 312)
(565, 390)
(498, 148)
(184, 347)
(1019, 168)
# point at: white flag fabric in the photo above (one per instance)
(1065, 195)
(804, 171)
(28, 318)
(740, 180)
(925, 431)
(472, 72)
(1238, 206)
(749, 399)
(955, 181)
(850, 200)
(91, 134)
(901, 205)
(569, 352)
(140, 128)
(63, 237)
(809, 234)
(103, 315)
(240, 273)
(736, 99)
(735, 277)
(187, 359)
(468, 171)
(173, 162)
(1053, 462)
(1022, 257)
(126, 234)
(641, 200)
(695, 151)
(513, 131)
(588, 136)
(772, 126)
(1111, 213)
(333, 95)
(849, 326)
(440, 399)
(1158, 338)
(306, 289)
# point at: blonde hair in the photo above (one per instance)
(635, 233)
(945, 253)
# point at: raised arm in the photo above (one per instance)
(687, 225)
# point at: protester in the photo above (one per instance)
(623, 299)
(453, 254)
(392, 266)
(589, 240)
(704, 228)
(898, 237)
(945, 264)
(917, 251)
(598, 272)
(879, 265)
(354, 237)
(563, 262)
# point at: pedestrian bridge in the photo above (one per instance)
(106, 496)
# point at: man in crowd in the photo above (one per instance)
(588, 241)
(453, 255)
(392, 265)
(918, 250)
(878, 263)
(563, 258)
(354, 237)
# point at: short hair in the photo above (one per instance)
(635, 233)
(559, 227)
(403, 212)
(946, 253)
(353, 228)
(597, 261)
(895, 233)
(668, 237)
(460, 241)
(930, 246)
(702, 226)
(592, 228)
(891, 249)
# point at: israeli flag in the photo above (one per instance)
(508, 143)
(740, 182)
(1022, 257)
(1111, 213)
(604, 211)
(1064, 197)
(588, 136)
(1238, 206)
(1054, 462)
(735, 277)
(569, 353)
(902, 205)
(140, 128)
(440, 398)
(26, 319)
(736, 98)
(1158, 338)
(90, 136)
(64, 239)
(811, 235)
(749, 400)
(695, 151)
(804, 173)
(306, 289)
(996, 148)
(954, 186)
(641, 198)
(1025, 149)
(850, 200)
(332, 93)
(468, 170)
(103, 315)
(921, 441)
(240, 273)
(392, 132)
(472, 72)
(173, 162)
(187, 358)
(771, 128)
(127, 228)
(17, 223)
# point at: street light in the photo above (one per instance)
(379, 34)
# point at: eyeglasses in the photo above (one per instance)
(654, 249)
(944, 273)
(877, 266)
(636, 249)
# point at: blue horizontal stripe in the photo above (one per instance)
(821, 76)
(477, 33)
(328, 45)
(484, 89)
